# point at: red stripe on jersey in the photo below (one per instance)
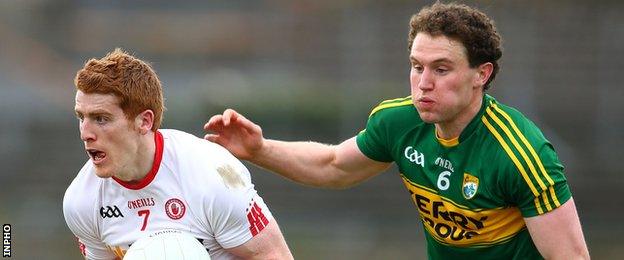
(82, 247)
(257, 220)
(158, 138)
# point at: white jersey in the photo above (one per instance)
(194, 186)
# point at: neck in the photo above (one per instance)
(143, 159)
(453, 128)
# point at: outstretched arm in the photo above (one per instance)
(558, 234)
(311, 163)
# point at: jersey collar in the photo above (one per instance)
(158, 139)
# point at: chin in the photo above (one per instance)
(428, 117)
(102, 173)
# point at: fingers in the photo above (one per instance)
(215, 123)
(211, 137)
(249, 126)
(229, 115)
(231, 119)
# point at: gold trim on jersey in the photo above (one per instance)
(118, 251)
(451, 223)
(392, 103)
(447, 142)
(545, 192)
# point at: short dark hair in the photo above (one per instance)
(475, 30)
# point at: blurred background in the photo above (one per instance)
(304, 70)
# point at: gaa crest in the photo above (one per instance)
(470, 186)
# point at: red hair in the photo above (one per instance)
(132, 80)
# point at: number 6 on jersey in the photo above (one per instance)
(443, 181)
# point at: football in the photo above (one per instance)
(169, 244)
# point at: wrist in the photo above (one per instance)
(262, 152)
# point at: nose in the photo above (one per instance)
(425, 80)
(86, 133)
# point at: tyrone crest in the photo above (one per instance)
(470, 186)
(175, 209)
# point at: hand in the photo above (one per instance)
(236, 133)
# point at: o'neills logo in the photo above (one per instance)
(145, 202)
(175, 209)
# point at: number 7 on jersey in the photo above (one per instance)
(145, 212)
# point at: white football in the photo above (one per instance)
(169, 244)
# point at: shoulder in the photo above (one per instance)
(176, 138)
(389, 104)
(398, 111)
(200, 161)
(511, 123)
(82, 188)
(179, 141)
(393, 106)
(527, 160)
(515, 135)
(80, 199)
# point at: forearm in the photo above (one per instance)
(308, 163)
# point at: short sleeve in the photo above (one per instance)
(237, 212)
(372, 141)
(539, 185)
(79, 220)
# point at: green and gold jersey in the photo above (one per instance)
(471, 192)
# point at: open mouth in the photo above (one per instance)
(96, 155)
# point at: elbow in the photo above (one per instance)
(579, 253)
(583, 253)
(327, 184)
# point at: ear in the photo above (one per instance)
(144, 121)
(484, 71)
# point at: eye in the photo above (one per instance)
(441, 70)
(101, 119)
(418, 68)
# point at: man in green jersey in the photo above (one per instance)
(486, 182)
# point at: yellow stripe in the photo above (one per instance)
(485, 226)
(511, 155)
(554, 196)
(396, 99)
(546, 202)
(482, 245)
(388, 105)
(518, 147)
(408, 181)
(117, 251)
(418, 185)
(516, 162)
(538, 206)
(531, 150)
